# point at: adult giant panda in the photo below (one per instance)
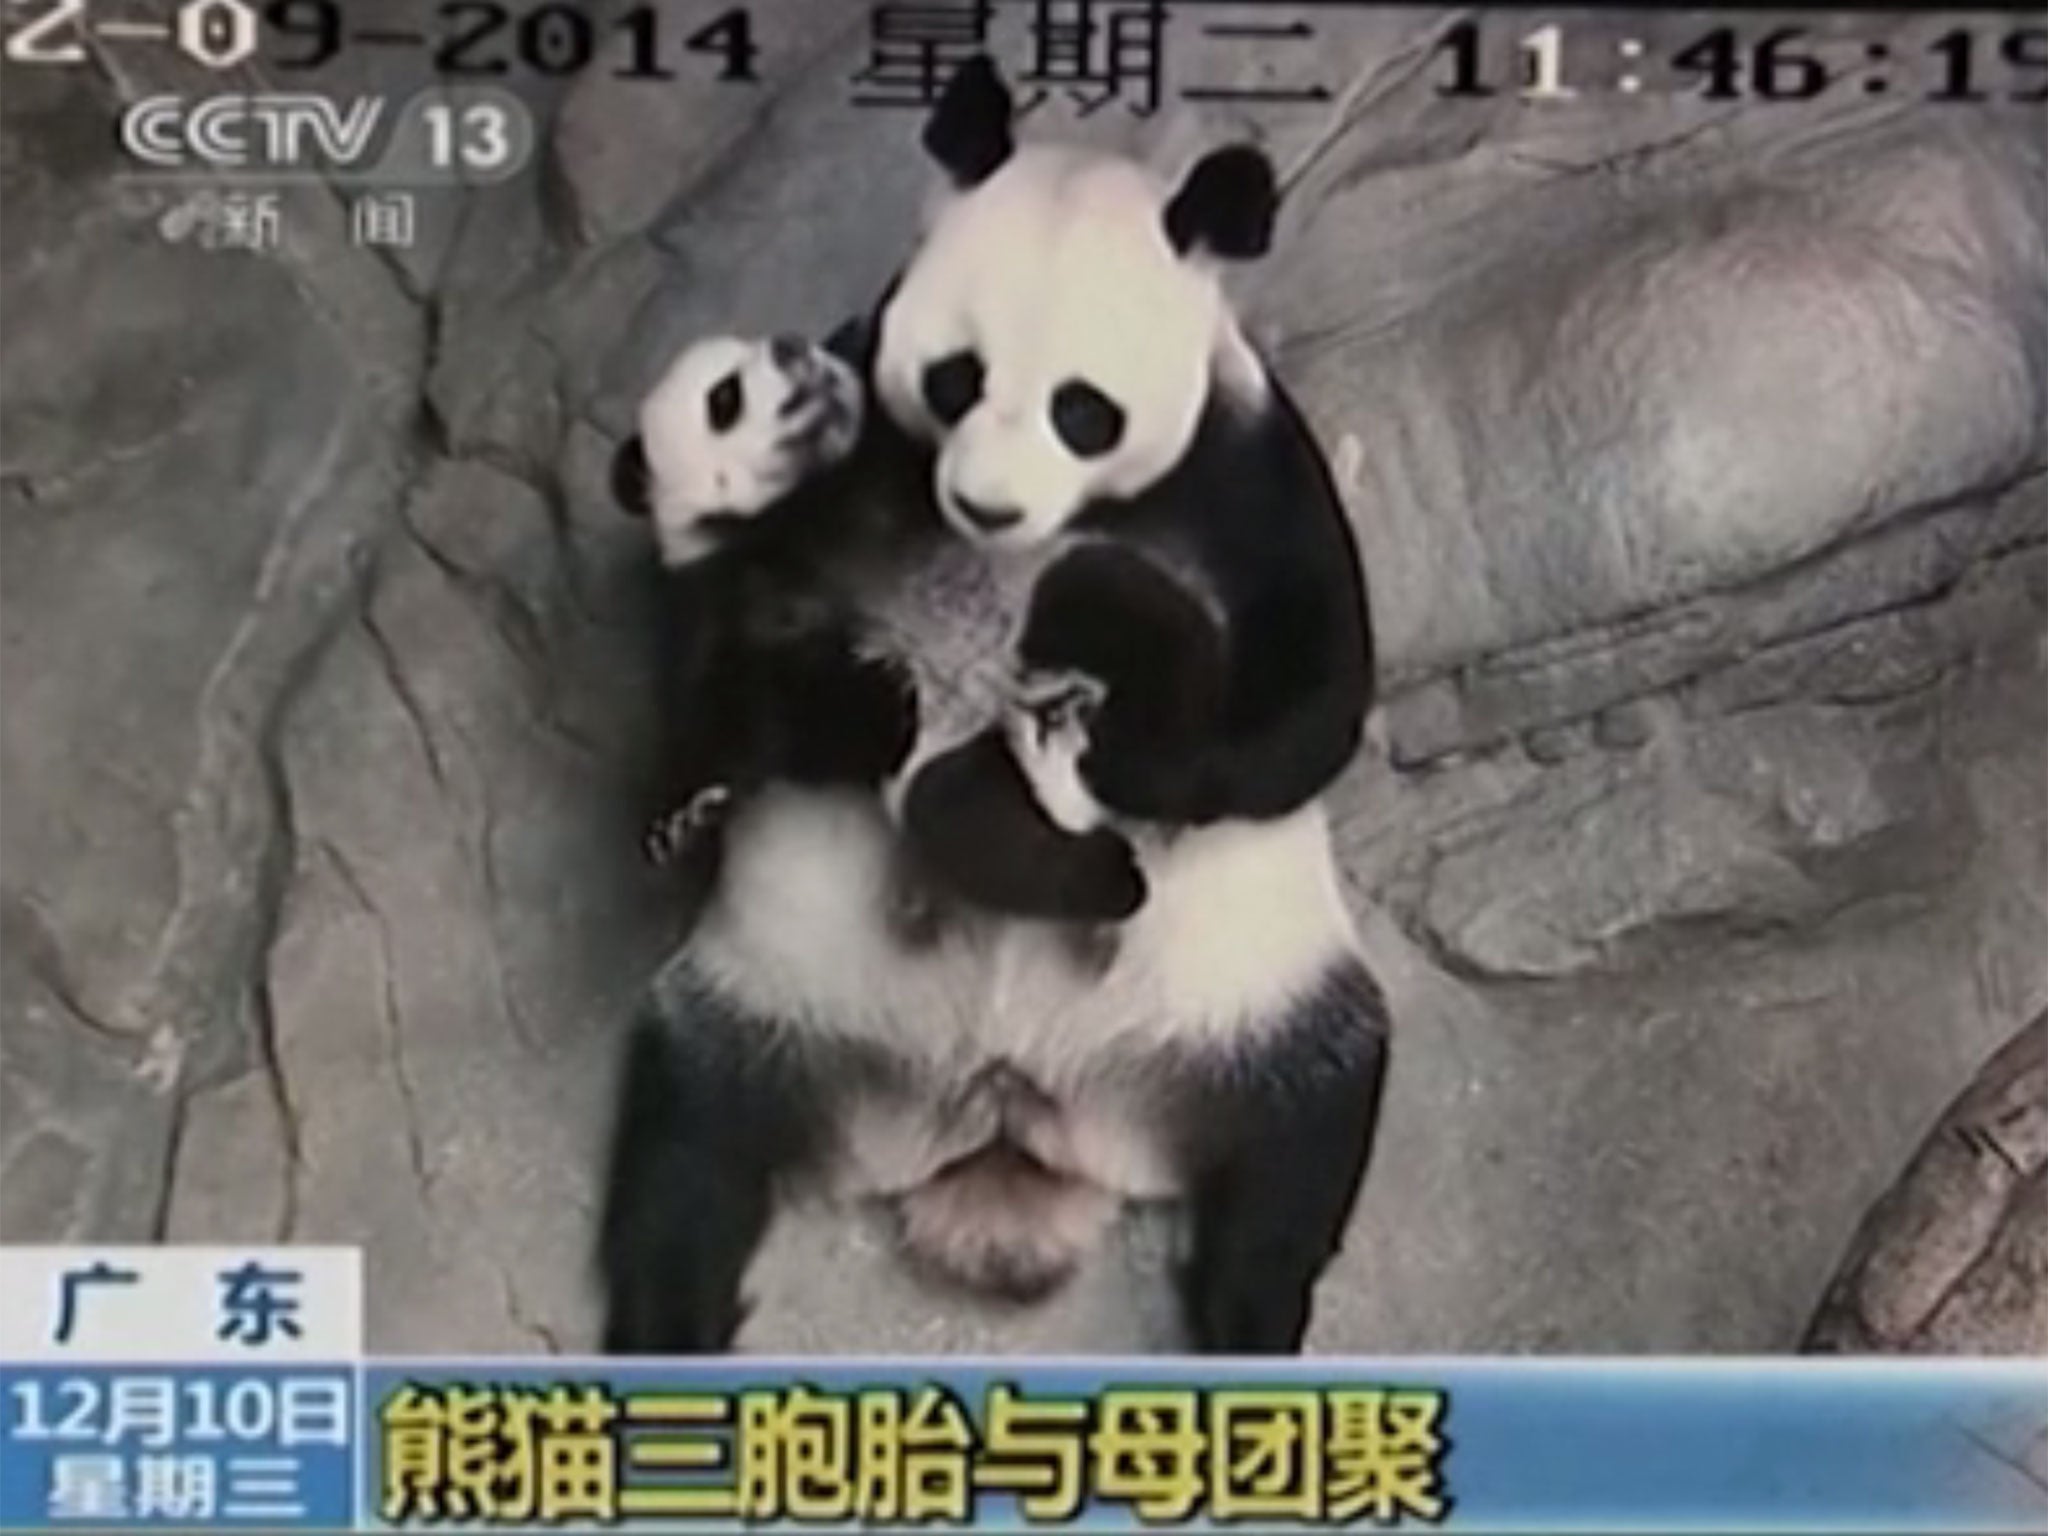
(1097, 396)
(1001, 1089)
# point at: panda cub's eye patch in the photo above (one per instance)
(1087, 420)
(722, 406)
(952, 385)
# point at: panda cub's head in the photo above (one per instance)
(1062, 328)
(733, 427)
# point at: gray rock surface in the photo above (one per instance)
(1698, 454)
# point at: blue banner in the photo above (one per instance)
(1579, 1446)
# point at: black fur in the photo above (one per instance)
(1020, 862)
(1275, 1144)
(1108, 611)
(969, 130)
(718, 1114)
(754, 690)
(1226, 206)
(631, 477)
(1253, 503)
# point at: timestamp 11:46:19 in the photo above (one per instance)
(1784, 65)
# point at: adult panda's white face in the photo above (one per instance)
(1061, 328)
(734, 426)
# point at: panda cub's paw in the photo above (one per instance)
(735, 428)
(670, 835)
(1048, 725)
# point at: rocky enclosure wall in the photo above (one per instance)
(1697, 454)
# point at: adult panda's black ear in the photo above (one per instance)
(632, 480)
(969, 130)
(1226, 206)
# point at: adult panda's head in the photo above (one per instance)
(1062, 326)
(731, 429)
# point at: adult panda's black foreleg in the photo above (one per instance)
(1244, 714)
(1277, 1142)
(972, 823)
(1109, 613)
(717, 1113)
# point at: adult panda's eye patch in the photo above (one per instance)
(723, 405)
(952, 386)
(1087, 420)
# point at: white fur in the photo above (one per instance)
(1057, 268)
(762, 456)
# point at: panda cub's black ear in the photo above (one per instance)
(853, 342)
(633, 478)
(1226, 206)
(969, 130)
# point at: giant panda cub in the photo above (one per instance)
(759, 676)
(1154, 562)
